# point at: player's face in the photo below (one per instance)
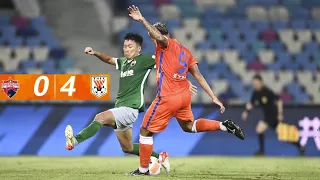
(131, 49)
(257, 84)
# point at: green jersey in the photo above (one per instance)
(133, 78)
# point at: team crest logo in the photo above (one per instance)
(134, 62)
(99, 86)
(10, 87)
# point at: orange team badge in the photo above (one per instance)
(10, 87)
(99, 86)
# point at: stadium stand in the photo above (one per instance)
(235, 39)
(27, 45)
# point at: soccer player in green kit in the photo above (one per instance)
(135, 69)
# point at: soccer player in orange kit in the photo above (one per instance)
(173, 99)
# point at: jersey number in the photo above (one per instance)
(182, 62)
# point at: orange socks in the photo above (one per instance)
(202, 125)
(146, 148)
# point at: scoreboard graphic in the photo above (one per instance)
(21, 87)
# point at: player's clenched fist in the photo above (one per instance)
(89, 50)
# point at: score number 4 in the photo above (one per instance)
(70, 90)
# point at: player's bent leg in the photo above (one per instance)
(103, 118)
(262, 126)
(125, 140)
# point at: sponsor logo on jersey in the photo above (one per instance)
(99, 85)
(134, 62)
(177, 76)
(127, 73)
(10, 87)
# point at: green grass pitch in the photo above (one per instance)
(114, 168)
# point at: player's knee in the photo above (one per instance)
(105, 118)
(145, 132)
(187, 128)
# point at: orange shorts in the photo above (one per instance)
(163, 109)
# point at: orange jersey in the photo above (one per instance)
(172, 65)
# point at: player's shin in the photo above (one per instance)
(136, 151)
(203, 125)
(89, 131)
(146, 147)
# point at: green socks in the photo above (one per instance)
(94, 127)
(88, 132)
(136, 148)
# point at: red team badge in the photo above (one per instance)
(10, 87)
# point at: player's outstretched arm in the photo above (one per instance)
(102, 56)
(194, 70)
(153, 31)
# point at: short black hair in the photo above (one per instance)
(162, 28)
(257, 77)
(134, 37)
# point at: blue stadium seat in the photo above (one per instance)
(227, 24)
(51, 42)
(308, 66)
(49, 66)
(233, 37)
(299, 24)
(223, 45)
(213, 12)
(183, 2)
(204, 45)
(314, 24)
(311, 47)
(258, 46)
(190, 11)
(283, 57)
(248, 56)
(27, 32)
(294, 88)
(8, 31)
(57, 53)
(292, 66)
(301, 98)
(34, 42)
(277, 46)
(235, 13)
(38, 22)
(291, 3)
(301, 57)
(278, 25)
(261, 25)
(210, 23)
(300, 14)
(136, 2)
(267, 3)
(4, 21)
(214, 35)
(172, 24)
(211, 76)
(204, 67)
(65, 64)
(148, 10)
(14, 42)
(241, 46)
(27, 64)
(244, 25)
(251, 36)
(220, 67)
(275, 67)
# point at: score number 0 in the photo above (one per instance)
(64, 88)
